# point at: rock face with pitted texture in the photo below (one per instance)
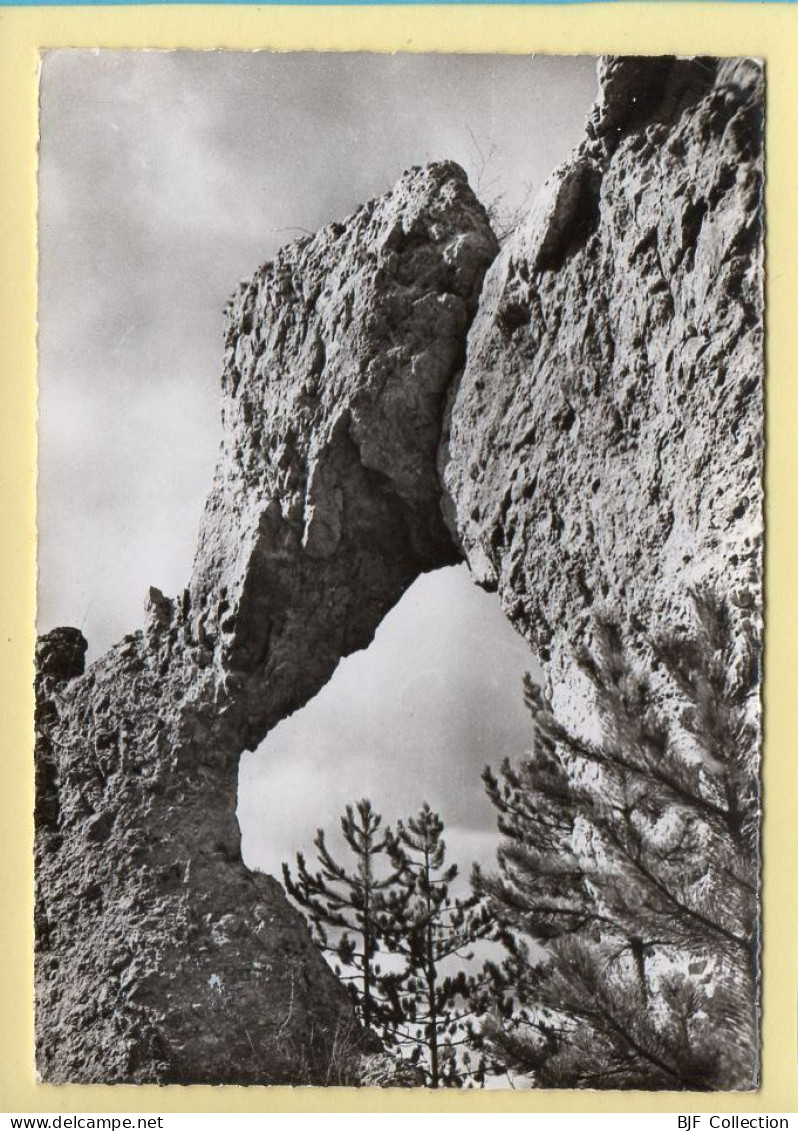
(339, 358)
(159, 955)
(605, 446)
(585, 430)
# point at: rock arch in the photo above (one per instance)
(572, 428)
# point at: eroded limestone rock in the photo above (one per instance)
(339, 358)
(605, 446)
(159, 955)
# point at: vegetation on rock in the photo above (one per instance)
(432, 932)
(418, 999)
(626, 895)
(345, 908)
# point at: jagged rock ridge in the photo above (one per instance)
(603, 444)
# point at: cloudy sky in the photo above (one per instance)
(165, 177)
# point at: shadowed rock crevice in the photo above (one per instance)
(585, 430)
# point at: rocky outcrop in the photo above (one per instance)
(595, 440)
(605, 441)
(339, 358)
(159, 955)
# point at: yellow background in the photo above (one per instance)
(769, 31)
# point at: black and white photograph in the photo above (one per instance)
(400, 570)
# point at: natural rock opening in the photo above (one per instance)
(340, 355)
(594, 433)
(414, 717)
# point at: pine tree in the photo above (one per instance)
(344, 907)
(431, 931)
(627, 875)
